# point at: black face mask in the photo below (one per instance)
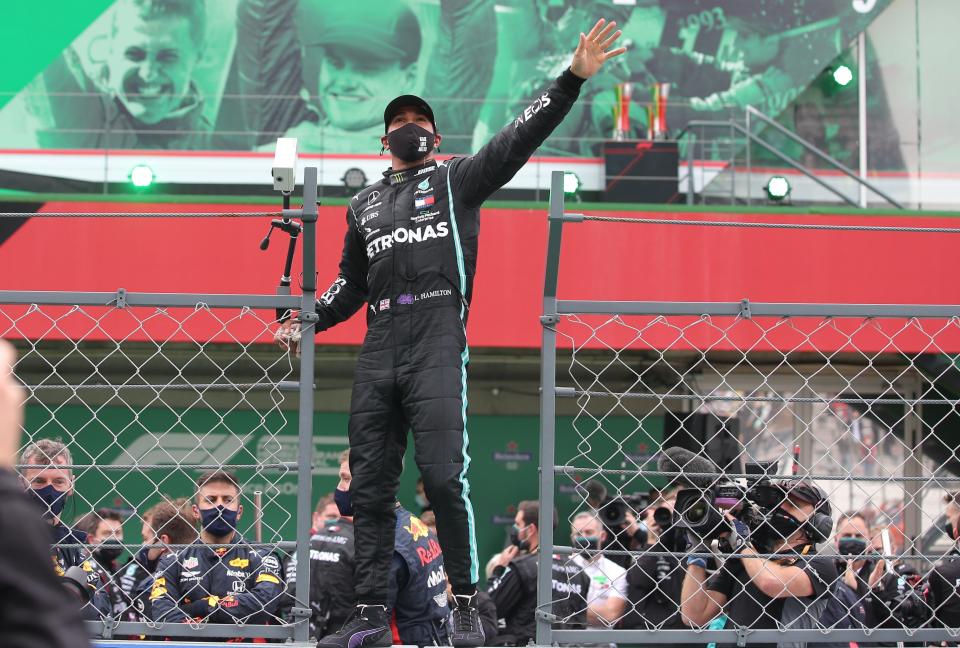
(108, 551)
(343, 502)
(522, 545)
(949, 530)
(411, 143)
(853, 547)
(777, 526)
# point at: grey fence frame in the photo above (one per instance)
(298, 630)
(553, 309)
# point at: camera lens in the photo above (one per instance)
(696, 512)
(663, 517)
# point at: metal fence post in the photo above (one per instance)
(308, 318)
(548, 365)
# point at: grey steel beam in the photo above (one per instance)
(757, 309)
(308, 317)
(163, 300)
(201, 631)
(748, 636)
(555, 218)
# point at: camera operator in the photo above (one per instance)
(760, 593)
(513, 587)
(607, 596)
(943, 579)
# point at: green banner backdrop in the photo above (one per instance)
(235, 74)
(504, 454)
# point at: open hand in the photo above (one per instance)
(592, 51)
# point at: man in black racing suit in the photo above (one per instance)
(409, 254)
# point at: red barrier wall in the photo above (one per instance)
(600, 261)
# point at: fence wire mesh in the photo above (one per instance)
(776, 479)
(128, 407)
(161, 436)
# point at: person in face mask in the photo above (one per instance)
(221, 578)
(50, 485)
(417, 598)
(607, 596)
(164, 524)
(409, 260)
(325, 511)
(943, 597)
(104, 528)
(513, 584)
(761, 593)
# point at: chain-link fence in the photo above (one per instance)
(165, 414)
(804, 487)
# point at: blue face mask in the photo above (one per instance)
(218, 521)
(344, 505)
(52, 500)
(421, 501)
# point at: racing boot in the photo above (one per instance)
(466, 631)
(368, 627)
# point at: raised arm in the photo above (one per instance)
(476, 178)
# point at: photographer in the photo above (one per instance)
(655, 581)
(623, 532)
(607, 596)
(513, 587)
(760, 593)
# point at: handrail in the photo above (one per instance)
(751, 137)
(822, 155)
